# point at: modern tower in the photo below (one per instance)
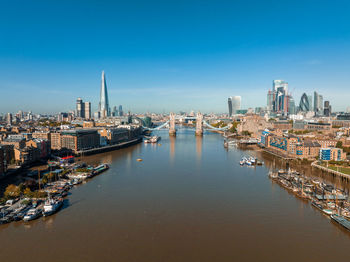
(229, 101)
(278, 98)
(236, 104)
(79, 112)
(305, 103)
(103, 106)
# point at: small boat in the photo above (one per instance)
(32, 214)
(317, 204)
(328, 211)
(139, 160)
(51, 206)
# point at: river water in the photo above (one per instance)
(188, 200)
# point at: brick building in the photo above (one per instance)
(80, 139)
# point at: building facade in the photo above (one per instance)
(82, 139)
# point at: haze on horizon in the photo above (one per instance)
(171, 55)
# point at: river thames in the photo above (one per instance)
(188, 200)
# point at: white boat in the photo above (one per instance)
(328, 211)
(51, 206)
(32, 214)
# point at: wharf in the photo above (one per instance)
(109, 148)
(334, 172)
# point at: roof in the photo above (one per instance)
(311, 144)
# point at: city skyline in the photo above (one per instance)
(167, 64)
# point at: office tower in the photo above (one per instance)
(309, 98)
(305, 104)
(9, 118)
(318, 103)
(79, 112)
(115, 111)
(327, 108)
(236, 104)
(104, 105)
(278, 98)
(87, 110)
(121, 113)
(291, 106)
(229, 106)
(83, 109)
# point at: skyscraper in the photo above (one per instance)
(318, 103)
(103, 106)
(87, 110)
(278, 98)
(121, 113)
(229, 106)
(79, 112)
(305, 104)
(236, 104)
(327, 108)
(83, 109)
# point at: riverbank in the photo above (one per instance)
(110, 147)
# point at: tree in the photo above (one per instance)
(27, 192)
(339, 144)
(12, 191)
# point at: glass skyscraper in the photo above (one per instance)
(103, 106)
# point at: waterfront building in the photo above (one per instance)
(80, 139)
(229, 106)
(103, 107)
(289, 145)
(332, 153)
(114, 135)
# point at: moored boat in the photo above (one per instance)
(32, 214)
(51, 206)
(341, 220)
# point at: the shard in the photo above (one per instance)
(103, 107)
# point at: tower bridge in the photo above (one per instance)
(200, 124)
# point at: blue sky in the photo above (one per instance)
(170, 55)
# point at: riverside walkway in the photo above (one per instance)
(334, 172)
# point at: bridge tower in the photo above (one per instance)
(172, 130)
(199, 124)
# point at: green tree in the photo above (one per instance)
(339, 144)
